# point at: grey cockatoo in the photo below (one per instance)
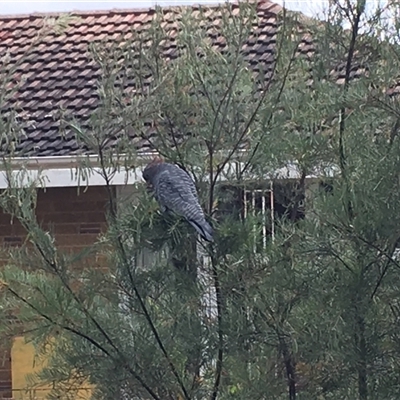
(174, 190)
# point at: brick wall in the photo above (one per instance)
(76, 220)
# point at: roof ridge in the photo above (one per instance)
(139, 10)
(39, 14)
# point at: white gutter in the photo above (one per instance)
(62, 171)
(52, 162)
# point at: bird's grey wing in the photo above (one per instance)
(173, 192)
(186, 178)
(195, 216)
(176, 191)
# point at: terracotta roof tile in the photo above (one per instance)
(59, 72)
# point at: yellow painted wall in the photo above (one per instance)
(24, 363)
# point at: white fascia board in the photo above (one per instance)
(61, 171)
(51, 162)
(67, 177)
(55, 162)
(289, 171)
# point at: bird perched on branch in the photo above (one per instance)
(174, 190)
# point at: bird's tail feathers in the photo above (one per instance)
(203, 228)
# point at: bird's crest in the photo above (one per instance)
(156, 160)
(151, 167)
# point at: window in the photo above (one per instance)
(260, 201)
(273, 201)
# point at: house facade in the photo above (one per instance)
(76, 220)
(53, 70)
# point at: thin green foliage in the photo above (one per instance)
(295, 301)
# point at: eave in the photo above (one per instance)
(63, 171)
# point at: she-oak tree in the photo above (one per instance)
(305, 301)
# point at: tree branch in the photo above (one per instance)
(342, 126)
(135, 289)
(87, 338)
(220, 357)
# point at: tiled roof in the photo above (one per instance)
(58, 73)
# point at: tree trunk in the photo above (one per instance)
(184, 258)
(362, 359)
(290, 368)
